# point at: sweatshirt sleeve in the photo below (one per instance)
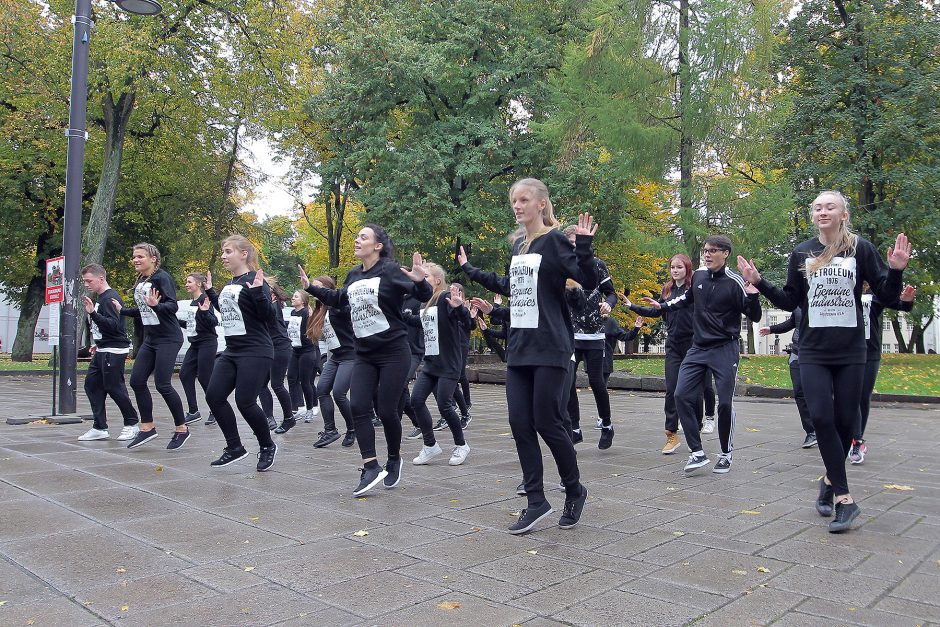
(787, 325)
(578, 264)
(647, 312)
(107, 317)
(686, 299)
(885, 283)
(752, 307)
(791, 295)
(167, 294)
(490, 280)
(606, 286)
(331, 298)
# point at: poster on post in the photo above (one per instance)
(55, 280)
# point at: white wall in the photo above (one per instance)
(9, 317)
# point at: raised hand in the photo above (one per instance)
(497, 299)
(481, 323)
(908, 293)
(204, 304)
(625, 300)
(473, 311)
(304, 279)
(639, 322)
(652, 302)
(750, 289)
(208, 280)
(455, 298)
(764, 331)
(89, 306)
(482, 305)
(462, 257)
(418, 272)
(604, 307)
(900, 253)
(586, 225)
(153, 298)
(748, 270)
(117, 305)
(259, 278)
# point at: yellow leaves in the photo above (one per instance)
(738, 571)
(362, 533)
(248, 569)
(750, 512)
(449, 605)
(532, 552)
(254, 518)
(158, 469)
(752, 429)
(678, 534)
(899, 488)
(125, 608)
(121, 570)
(763, 569)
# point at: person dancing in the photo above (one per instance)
(824, 279)
(541, 342)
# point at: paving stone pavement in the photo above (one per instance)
(94, 534)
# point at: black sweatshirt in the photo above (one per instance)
(678, 323)
(246, 313)
(718, 300)
(586, 317)
(297, 331)
(541, 333)
(832, 331)
(200, 325)
(338, 336)
(791, 324)
(277, 327)
(415, 334)
(614, 333)
(442, 326)
(873, 308)
(107, 327)
(375, 297)
(159, 323)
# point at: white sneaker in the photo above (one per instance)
(600, 424)
(129, 433)
(709, 425)
(459, 455)
(315, 411)
(94, 434)
(427, 454)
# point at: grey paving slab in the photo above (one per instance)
(177, 542)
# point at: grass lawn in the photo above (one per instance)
(899, 374)
(40, 362)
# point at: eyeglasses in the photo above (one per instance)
(712, 251)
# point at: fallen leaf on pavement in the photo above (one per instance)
(738, 571)
(362, 533)
(124, 608)
(532, 552)
(448, 605)
(158, 469)
(248, 569)
(763, 569)
(750, 512)
(902, 488)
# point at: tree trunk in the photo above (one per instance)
(221, 221)
(903, 347)
(29, 314)
(750, 338)
(687, 217)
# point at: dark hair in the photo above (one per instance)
(96, 269)
(722, 242)
(381, 236)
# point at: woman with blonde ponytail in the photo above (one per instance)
(824, 278)
(541, 342)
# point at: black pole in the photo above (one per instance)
(74, 178)
(54, 362)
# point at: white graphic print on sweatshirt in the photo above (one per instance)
(523, 286)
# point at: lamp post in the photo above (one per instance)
(74, 175)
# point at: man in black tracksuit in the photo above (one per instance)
(718, 298)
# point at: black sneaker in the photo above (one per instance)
(211, 419)
(810, 440)
(723, 465)
(393, 470)
(529, 517)
(441, 425)
(229, 456)
(192, 417)
(272, 423)
(465, 420)
(287, 425)
(179, 437)
(520, 489)
(571, 513)
(577, 437)
(142, 438)
(266, 457)
(370, 478)
(349, 439)
(414, 435)
(376, 421)
(326, 438)
(607, 438)
(696, 461)
(824, 500)
(845, 514)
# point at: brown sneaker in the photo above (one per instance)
(672, 443)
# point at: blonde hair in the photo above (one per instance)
(151, 250)
(845, 241)
(549, 222)
(438, 273)
(240, 242)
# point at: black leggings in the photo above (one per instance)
(240, 374)
(275, 375)
(864, 406)
(383, 372)
(534, 395)
(798, 396)
(105, 377)
(300, 374)
(157, 360)
(832, 395)
(335, 379)
(594, 364)
(443, 390)
(405, 403)
(197, 364)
